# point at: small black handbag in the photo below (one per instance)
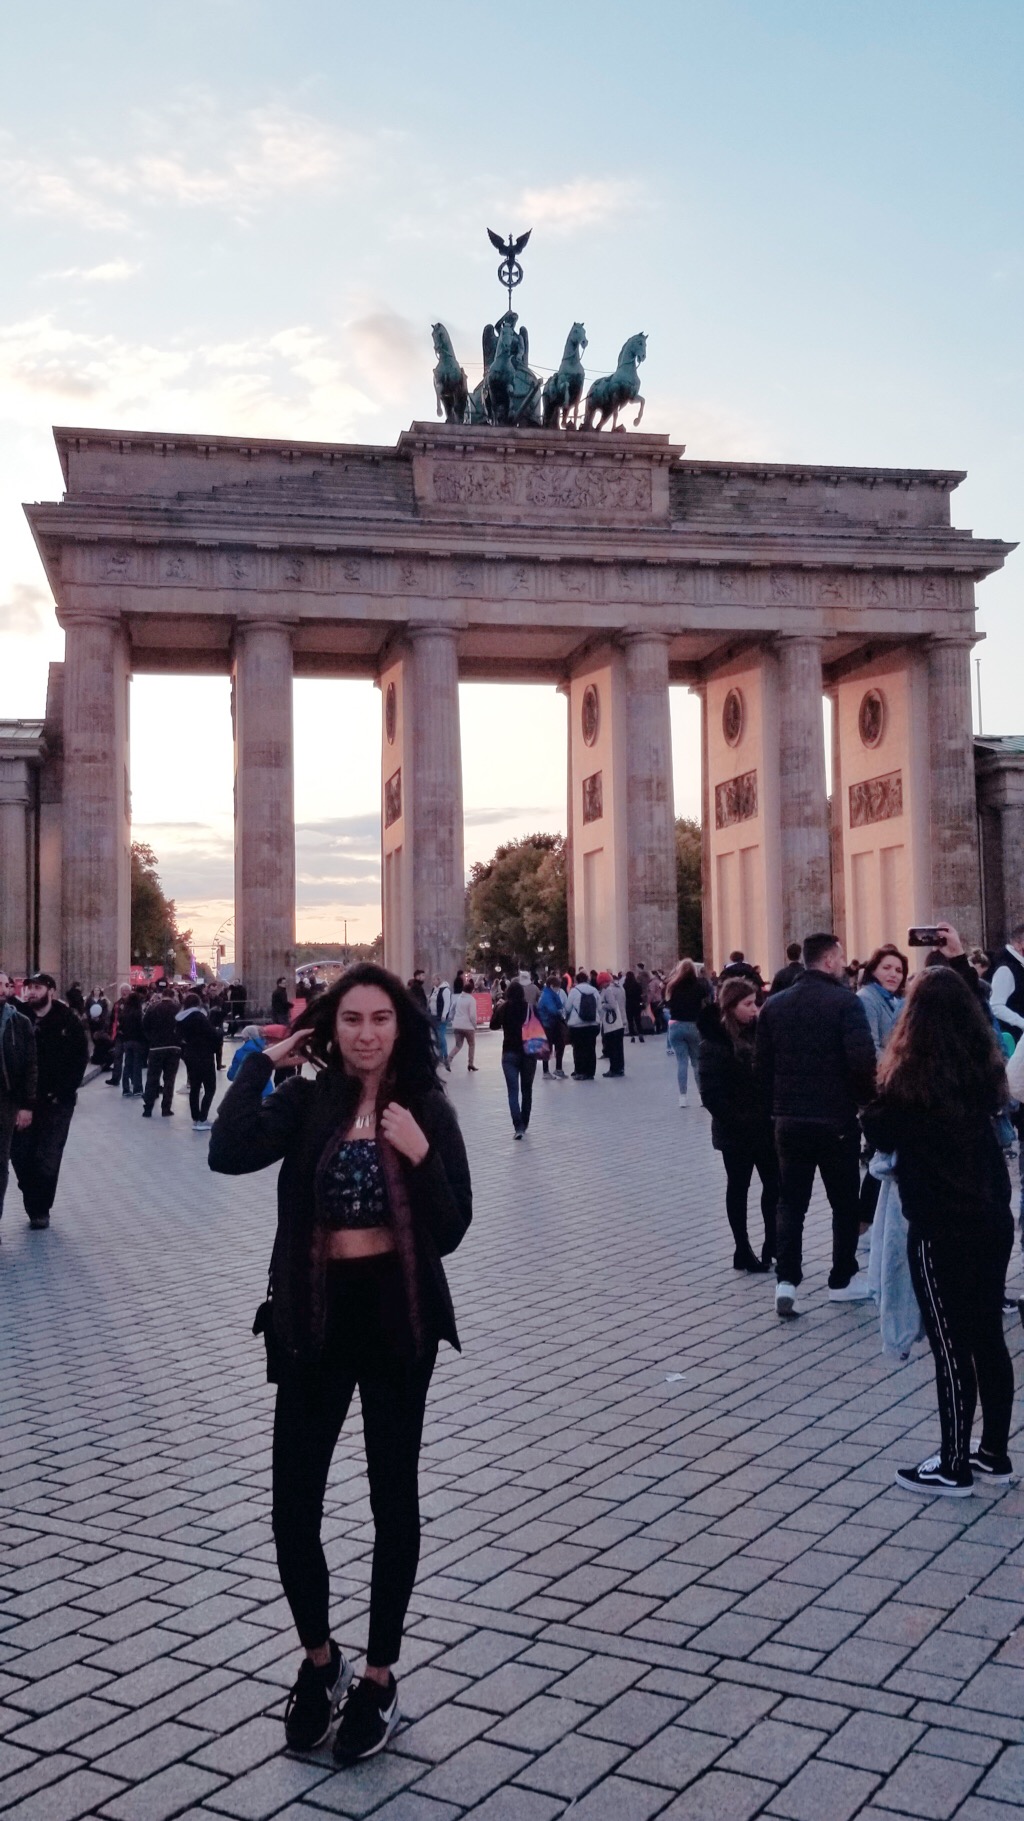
(263, 1323)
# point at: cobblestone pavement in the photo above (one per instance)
(665, 1571)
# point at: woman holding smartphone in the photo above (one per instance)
(941, 1085)
(373, 1190)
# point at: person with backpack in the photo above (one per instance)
(613, 1026)
(464, 1020)
(551, 1007)
(583, 1021)
(517, 1066)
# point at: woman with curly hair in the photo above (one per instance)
(941, 1084)
(373, 1189)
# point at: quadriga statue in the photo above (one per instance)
(607, 397)
(450, 384)
(509, 392)
(561, 396)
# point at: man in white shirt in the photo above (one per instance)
(583, 1017)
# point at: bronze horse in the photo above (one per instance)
(450, 385)
(607, 397)
(562, 392)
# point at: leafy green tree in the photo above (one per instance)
(516, 904)
(155, 931)
(688, 882)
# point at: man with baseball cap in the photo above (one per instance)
(62, 1051)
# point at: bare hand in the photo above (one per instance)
(949, 940)
(23, 1119)
(400, 1129)
(290, 1050)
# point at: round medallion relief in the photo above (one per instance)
(871, 717)
(590, 714)
(733, 718)
(390, 714)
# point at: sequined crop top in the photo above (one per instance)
(351, 1186)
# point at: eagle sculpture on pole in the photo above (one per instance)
(510, 272)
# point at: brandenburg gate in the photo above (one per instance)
(605, 565)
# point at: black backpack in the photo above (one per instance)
(588, 1005)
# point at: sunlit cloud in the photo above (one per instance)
(25, 609)
(110, 272)
(195, 154)
(585, 202)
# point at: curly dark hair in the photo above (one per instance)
(943, 1057)
(413, 1070)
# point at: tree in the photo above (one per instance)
(155, 933)
(688, 883)
(516, 904)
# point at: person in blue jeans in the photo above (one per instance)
(517, 1067)
(686, 994)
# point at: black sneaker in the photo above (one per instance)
(314, 1701)
(931, 1476)
(368, 1719)
(996, 1469)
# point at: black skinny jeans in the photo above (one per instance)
(367, 1344)
(202, 1085)
(741, 1158)
(160, 1076)
(583, 1038)
(804, 1146)
(959, 1286)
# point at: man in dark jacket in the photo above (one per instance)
(160, 1030)
(816, 1064)
(62, 1050)
(17, 1075)
(790, 974)
(280, 1004)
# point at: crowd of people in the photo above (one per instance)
(853, 1073)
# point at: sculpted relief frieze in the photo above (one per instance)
(562, 487)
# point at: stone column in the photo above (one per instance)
(96, 866)
(17, 869)
(700, 690)
(804, 826)
(837, 843)
(569, 959)
(261, 704)
(956, 874)
(435, 798)
(650, 821)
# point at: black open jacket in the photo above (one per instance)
(740, 1115)
(430, 1205)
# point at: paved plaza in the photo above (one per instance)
(664, 1572)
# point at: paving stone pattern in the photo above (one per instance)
(665, 1570)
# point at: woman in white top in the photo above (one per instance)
(463, 1019)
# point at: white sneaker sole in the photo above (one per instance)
(390, 1724)
(335, 1696)
(933, 1491)
(857, 1292)
(785, 1305)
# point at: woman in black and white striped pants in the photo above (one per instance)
(942, 1082)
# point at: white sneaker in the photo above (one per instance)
(202, 1125)
(785, 1300)
(684, 1100)
(856, 1291)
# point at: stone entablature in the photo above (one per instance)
(522, 542)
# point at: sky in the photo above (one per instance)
(238, 217)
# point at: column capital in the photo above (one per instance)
(634, 635)
(267, 622)
(424, 629)
(952, 641)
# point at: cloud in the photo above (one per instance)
(26, 609)
(292, 379)
(194, 155)
(390, 352)
(483, 818)
(586, 202)
(111, 272)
